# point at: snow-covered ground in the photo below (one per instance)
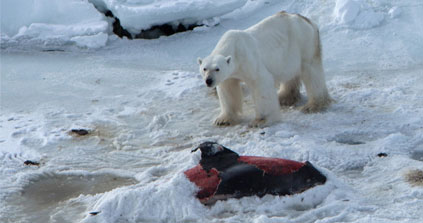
(146, 107)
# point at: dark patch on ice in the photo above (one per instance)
(117, 28)
(33, 163)
(349, 141)
(382, 154)
(80, 132)
(415, 177)
(353, 138)
(53, 50)
(95, 213)
(164, 30)
(152, 33)
(417, 155)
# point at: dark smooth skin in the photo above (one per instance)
(240, 178)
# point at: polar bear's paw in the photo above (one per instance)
(312, 107)
(258, 123)
(224, 120)
(319, 105)
(289, 100)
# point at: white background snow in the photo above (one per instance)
(146, 107)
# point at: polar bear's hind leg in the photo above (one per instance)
(313, 78)
(314, 82)
(289, 92)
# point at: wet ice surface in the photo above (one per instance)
(52, 196)
(145, 108)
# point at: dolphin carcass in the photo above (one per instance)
(223, 174)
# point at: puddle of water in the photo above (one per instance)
(417, 155)
(47, 194)
(349, 141)
(353, 138)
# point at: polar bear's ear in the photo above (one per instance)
(228, 59)
(199, 61)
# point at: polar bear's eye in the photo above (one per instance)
(217, 69)
(205, 69)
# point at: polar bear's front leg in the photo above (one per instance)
(230, 98)
(266, 101)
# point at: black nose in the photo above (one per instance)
(209, 82)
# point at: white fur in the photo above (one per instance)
(280, 51)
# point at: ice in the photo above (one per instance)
(137, 15)
(146, 107)
(51, 23)
(93, 41)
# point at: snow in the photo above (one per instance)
(146, 107)
(357, 14)
(394, 12)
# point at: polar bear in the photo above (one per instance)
(279, 52)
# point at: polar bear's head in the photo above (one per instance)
(215, 69)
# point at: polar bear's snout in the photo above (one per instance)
(209, 82)
(215, 69)
(209, 78)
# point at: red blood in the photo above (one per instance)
(207, 182)
(273, 166)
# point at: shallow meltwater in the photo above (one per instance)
(48, 189)
(43, 196)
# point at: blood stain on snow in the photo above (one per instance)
(415, 177)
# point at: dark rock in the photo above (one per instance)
(95, 213)
(117, 28)
(382, 154)
(29, 162)
(80, 132)
(163, 30)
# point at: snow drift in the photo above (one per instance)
(357, 14)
